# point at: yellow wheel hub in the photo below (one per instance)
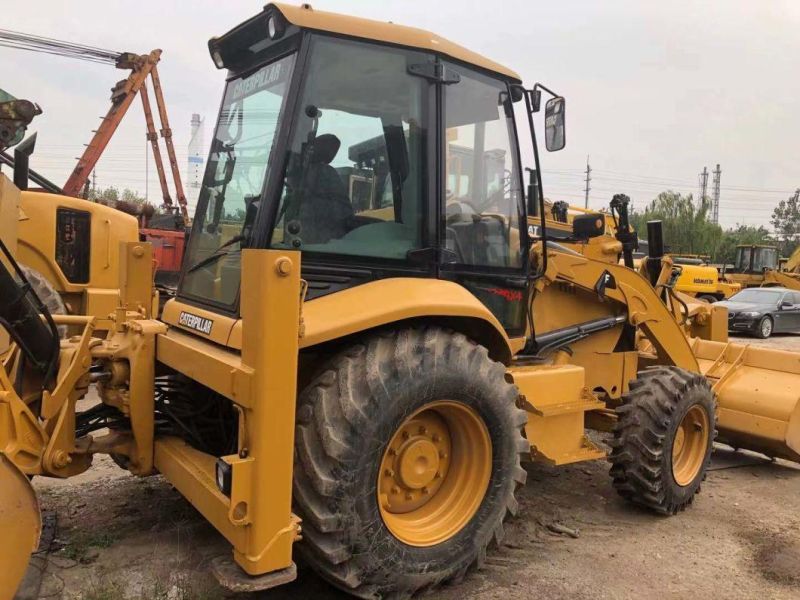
(690, 445)
(434, 473)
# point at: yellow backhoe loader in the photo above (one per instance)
(370, 333)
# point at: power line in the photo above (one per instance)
(36, 43)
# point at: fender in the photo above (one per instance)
(37, 239)
(411, 300)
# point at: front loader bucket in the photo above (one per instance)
(758, 394)
(20, 526)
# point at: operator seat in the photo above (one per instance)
(326, 212)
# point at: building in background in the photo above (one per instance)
(196, 161)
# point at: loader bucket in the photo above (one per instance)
(20, 524)
(758, 395)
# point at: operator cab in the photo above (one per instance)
(755, 259)
(393, 157)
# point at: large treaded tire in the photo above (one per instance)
(648, 419)
(47, 294)
(346, 417)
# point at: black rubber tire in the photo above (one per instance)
(708, 298)
(47, 294)
(759, 332)
(641, 455)
(346, 417)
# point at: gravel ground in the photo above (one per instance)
(115, 536)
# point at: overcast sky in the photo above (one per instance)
(655, 91)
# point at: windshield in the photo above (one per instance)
(765, 258)
(237, 167)
(757, 296)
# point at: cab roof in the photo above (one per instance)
(306, 17)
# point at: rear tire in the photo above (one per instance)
(764, 328)
(708, 298)
(663, 439)
(47, 294)
(348, 420)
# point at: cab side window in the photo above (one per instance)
(353, 181)
(482, 195)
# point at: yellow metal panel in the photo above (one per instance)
(193, 474)
(390, 300)
(270, 309)
(21, 524)
(306, 17)
(9, 213)
(212, 366)
(758, 391)
(221, 325)
(37, 239)
(698, 279)
(556, 401)
(100, 302)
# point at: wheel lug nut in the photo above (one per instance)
(409, 496)
(442, 454)
(392, 452)
(395, 490)
(406, 435)
(389, 473)
(426, 491)
(438, 475)
(436, 437)
(423, 430)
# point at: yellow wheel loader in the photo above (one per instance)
(367, 338)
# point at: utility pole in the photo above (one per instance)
(704, 185)
(588, 180)
(715, 205)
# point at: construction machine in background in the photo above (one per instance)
(702, 280)
(355, 372)
(757, 266)
(167, 229)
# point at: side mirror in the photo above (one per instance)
(554, 122)
(786, 305)
(588, 226)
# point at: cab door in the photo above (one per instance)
(481, 204)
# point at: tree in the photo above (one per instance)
(687, 229)
(111, 195)
(786, 221)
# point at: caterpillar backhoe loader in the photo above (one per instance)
(371, 333)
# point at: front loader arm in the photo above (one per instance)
(645, 308)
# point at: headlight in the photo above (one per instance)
(217, 58)
(751, 314)
(274, 27)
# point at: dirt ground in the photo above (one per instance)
(109, 535)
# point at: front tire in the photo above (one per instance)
(764, 328)
(407, 457)
(663, 439)
(708, 298)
